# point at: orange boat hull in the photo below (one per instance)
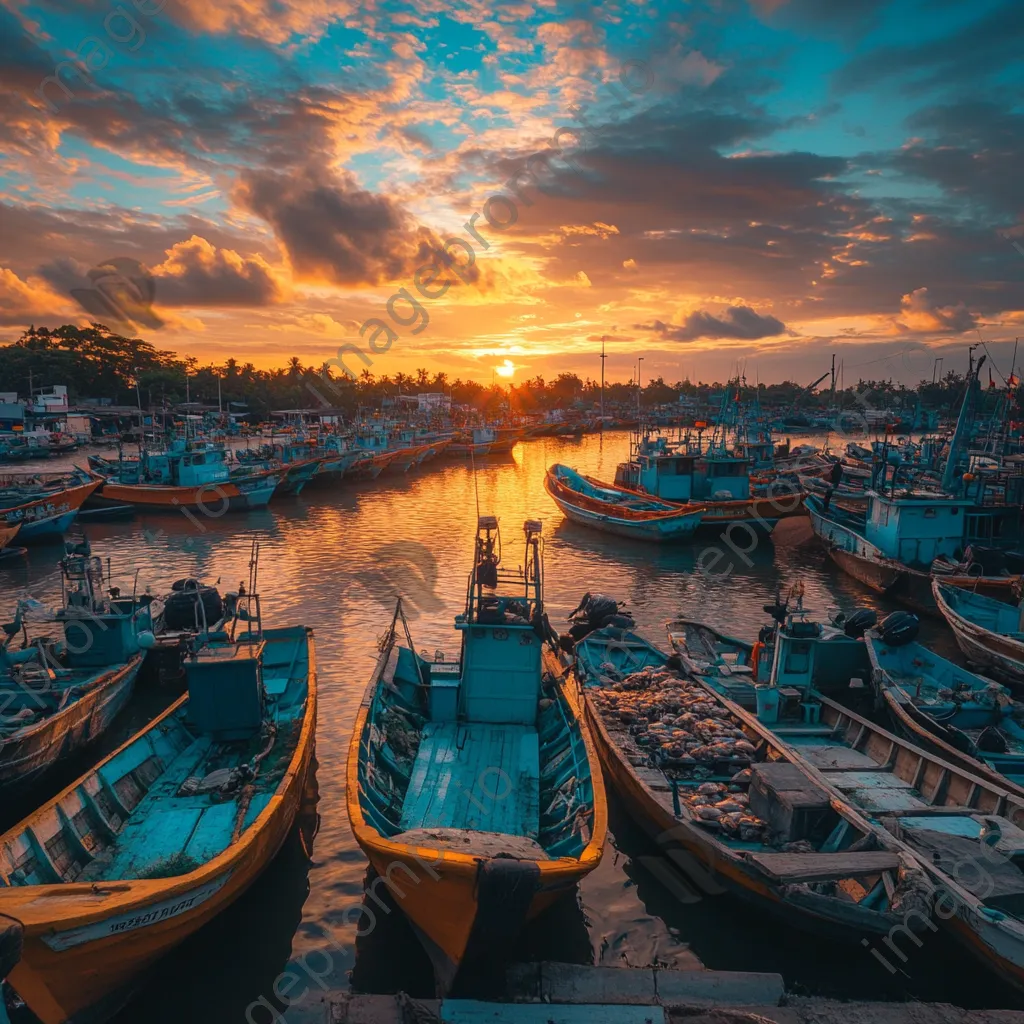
(91, 978)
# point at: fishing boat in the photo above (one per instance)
(987, 631)
(732, 667)
(710, 782)
(57, 697)
(692, 472)
(369, 465)
(143, 850)
(965, 832)
(966, 719)
(899, 544)
(190, 475)
(294, 462)
(44, 505)
(482, 441)
(476, 778)
(614, 510)
(337, 457)
(7, 534)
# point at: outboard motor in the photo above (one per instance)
(181, 606)
(595, 611)
(899, 628)
(859, 622)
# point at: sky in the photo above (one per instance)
(717, 187)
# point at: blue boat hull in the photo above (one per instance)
(43, 529)
(25, 759)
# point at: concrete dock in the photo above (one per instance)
(557, 993)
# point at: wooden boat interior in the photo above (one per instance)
(805, 836)
(942, 812)
(986, 612)
(484, 754)
(715, 656)
(586, 487)
(977, 715)
(944, 690)
(182, 791)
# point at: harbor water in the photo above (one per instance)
(335, 559)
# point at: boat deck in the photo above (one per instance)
(476, 776)
(170, 830)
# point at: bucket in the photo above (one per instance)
(767, 704)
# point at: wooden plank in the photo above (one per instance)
(867, 780)
(836, 758)
(212, 834)
(820, 867)
(162, 834)
(528, 785)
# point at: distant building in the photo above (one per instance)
(434, 400)
(12, 412)
(50, 402)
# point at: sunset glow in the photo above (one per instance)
(747, 182)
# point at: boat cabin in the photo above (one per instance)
(101, 625)
(689, 476)
(501, 651)
(916, 530)
(185, 466)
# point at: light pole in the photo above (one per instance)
(639, 388)
(603, 358)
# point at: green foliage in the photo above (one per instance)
(94, 362)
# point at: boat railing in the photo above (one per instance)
(253, 611)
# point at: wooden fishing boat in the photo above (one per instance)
(405, 458)
(483, 441)
(842, 532)
(987, 631)
(7, 534)
(732, 667)
(473, 786)
(294, 463)
(190, 475)
(789, 845)
(44, 506)
(157, 839)
(690, 473)
(57, 697)
(966, 719)
(614, 510)
(964, 831)
(370, 465)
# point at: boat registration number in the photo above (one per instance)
(154, 914)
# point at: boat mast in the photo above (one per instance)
(963, 423)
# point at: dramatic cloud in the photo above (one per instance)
(971, 53)
(972, 150)
(736, 322)
(920, 313)
(197, 273)
(285, 161)
(333, 229)
(839, 15)
(24, 302)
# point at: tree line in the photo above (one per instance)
(97, 363)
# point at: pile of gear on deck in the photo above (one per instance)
(683, 731)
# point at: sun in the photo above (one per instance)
(507, 369)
